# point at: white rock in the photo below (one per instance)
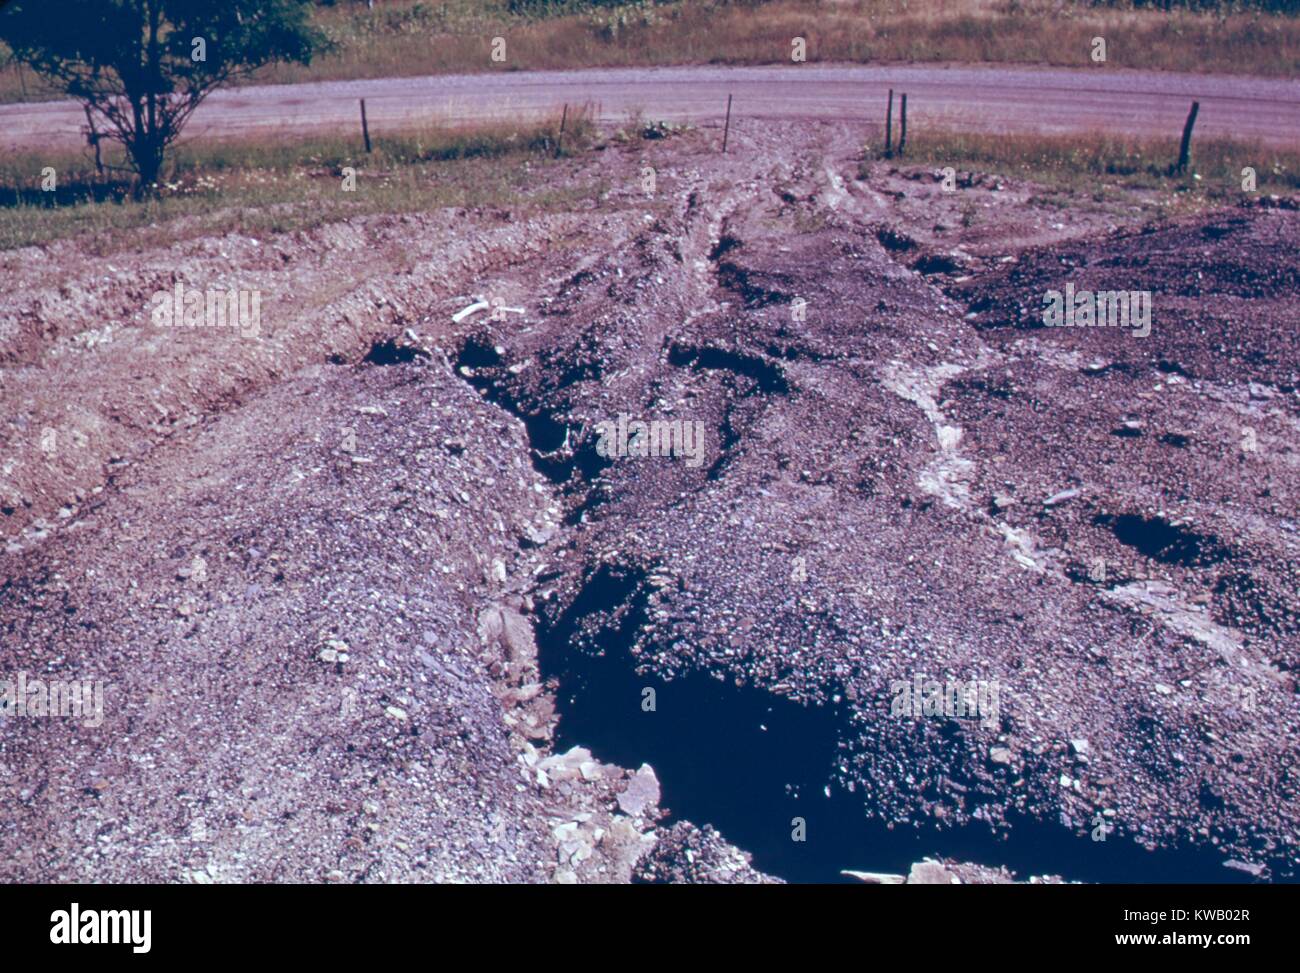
(642, 792)
(875, 878)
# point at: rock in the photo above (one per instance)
(517, 635)
(490, 624)
(931, 873)
(535, 537)
(1000, 755)
(334, 650)
(875, 878)
(1062, 497)
(1079, 747)
(503, 625)
(625, 846)
(566, 766)
(1250, 868)
(642, 792)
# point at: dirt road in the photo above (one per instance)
(1000, 99)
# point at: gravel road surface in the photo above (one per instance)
(1001, 99)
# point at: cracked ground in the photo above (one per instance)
(369, 604)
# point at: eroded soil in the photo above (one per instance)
(902, 475)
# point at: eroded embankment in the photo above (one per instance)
(319, 605)
(753, 764)
(854, 524)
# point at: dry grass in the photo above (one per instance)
(1002, 31)
(256, 185)
(1104, 168)
(417, 37)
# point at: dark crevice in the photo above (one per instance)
(767, 376)
(895, 241)
(938, 263)
(799, 351)
(478, 351)
(726, 446)
(1173, 368)
(557, 450)
(746, 283)
(1217, 231)
(477, 363)
(389, 352)
(748, 761)
(726, 243)
(1158, 539)
(608, 610)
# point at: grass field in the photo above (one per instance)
(260, 185)
(416, 37)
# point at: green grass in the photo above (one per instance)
(255, 185)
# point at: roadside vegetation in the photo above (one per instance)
(260, 185)
(402, 37)
(1100, 167)
(140, 69)
(418, 37)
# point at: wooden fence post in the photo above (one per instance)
(726, 128)
(559, 142)
(365, 129)
(1185, 150)
(889, 126)
(902, 125)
